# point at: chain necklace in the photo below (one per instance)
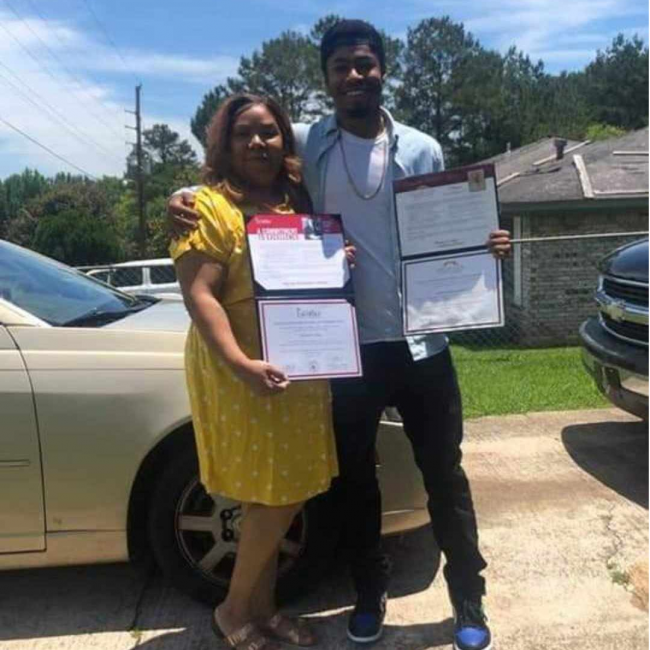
(384, 167)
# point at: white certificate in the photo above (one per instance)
(295, 251)
(448, 211)
(310, 339)
(450, 293)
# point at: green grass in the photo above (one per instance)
(501, 381)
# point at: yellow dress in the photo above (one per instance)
(273, 450)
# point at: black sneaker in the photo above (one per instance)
(470, 630)
(366, 622)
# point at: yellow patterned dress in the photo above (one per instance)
(273, 450)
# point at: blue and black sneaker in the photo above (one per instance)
(366, 622)
(470, 626)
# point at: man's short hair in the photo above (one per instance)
(351, 32)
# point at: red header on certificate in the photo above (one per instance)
(472, 175)
(292, 226)
(297, 252)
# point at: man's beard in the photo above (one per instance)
(369, 109)
(361, 112)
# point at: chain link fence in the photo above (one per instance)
(153, 277)
(533, 362)
(548, 282)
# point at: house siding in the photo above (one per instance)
(558, 279)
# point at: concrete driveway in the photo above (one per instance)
(562, 500)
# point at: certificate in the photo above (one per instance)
(446, 211)
(291, 252)
(452, 292)
(310, 339)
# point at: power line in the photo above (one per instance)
(42, 146)
(109, 39)
(86, 137)
(54, 56)
(60, 120)
(117, 115)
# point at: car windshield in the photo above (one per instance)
(58, 294)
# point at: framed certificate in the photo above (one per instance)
(454, 210)
(452, 292)
(294, 252)
(450, 281)
(304, 295)
(310, 339)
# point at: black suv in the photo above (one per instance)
(615, 343)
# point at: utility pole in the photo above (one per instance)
(142, 226)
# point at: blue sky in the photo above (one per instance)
(68, 67)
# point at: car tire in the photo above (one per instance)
(194, 538)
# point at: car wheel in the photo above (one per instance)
(194, 538)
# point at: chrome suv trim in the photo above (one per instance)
(620, 336)
(619, 310)
(613, 278)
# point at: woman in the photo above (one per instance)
(260, 440)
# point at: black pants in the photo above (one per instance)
(427, 397)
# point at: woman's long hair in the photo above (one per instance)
(217, 169)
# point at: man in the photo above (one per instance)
(350, 160)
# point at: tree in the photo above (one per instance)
(15, 191)
(164, 147)
(285, 68)
(208, 107)
(76, 238)
(603, 132)
(170, 163)
(72, 222)
(563, 106)
(479, 109)
(441, 81)
(518, 113)
(618, 83)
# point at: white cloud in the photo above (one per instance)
(178, 67)
(80, 119)
(301, 28)
(545, 29)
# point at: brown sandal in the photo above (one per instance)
(295, 631)
(247, 637)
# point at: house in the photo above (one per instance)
(562, 188)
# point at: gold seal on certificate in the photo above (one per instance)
(304, 295)
(450, 281)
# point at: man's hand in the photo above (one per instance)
(181, 215)
(498, 244)
(350, 254)
(262, 377)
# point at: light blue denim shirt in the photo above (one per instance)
(411, 153)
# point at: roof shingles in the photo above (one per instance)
(611, 175)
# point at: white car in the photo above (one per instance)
(155, 277)
(97, 456)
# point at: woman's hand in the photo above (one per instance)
(181, 215)
(498, 244)
(350, 254)
(262, 377)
